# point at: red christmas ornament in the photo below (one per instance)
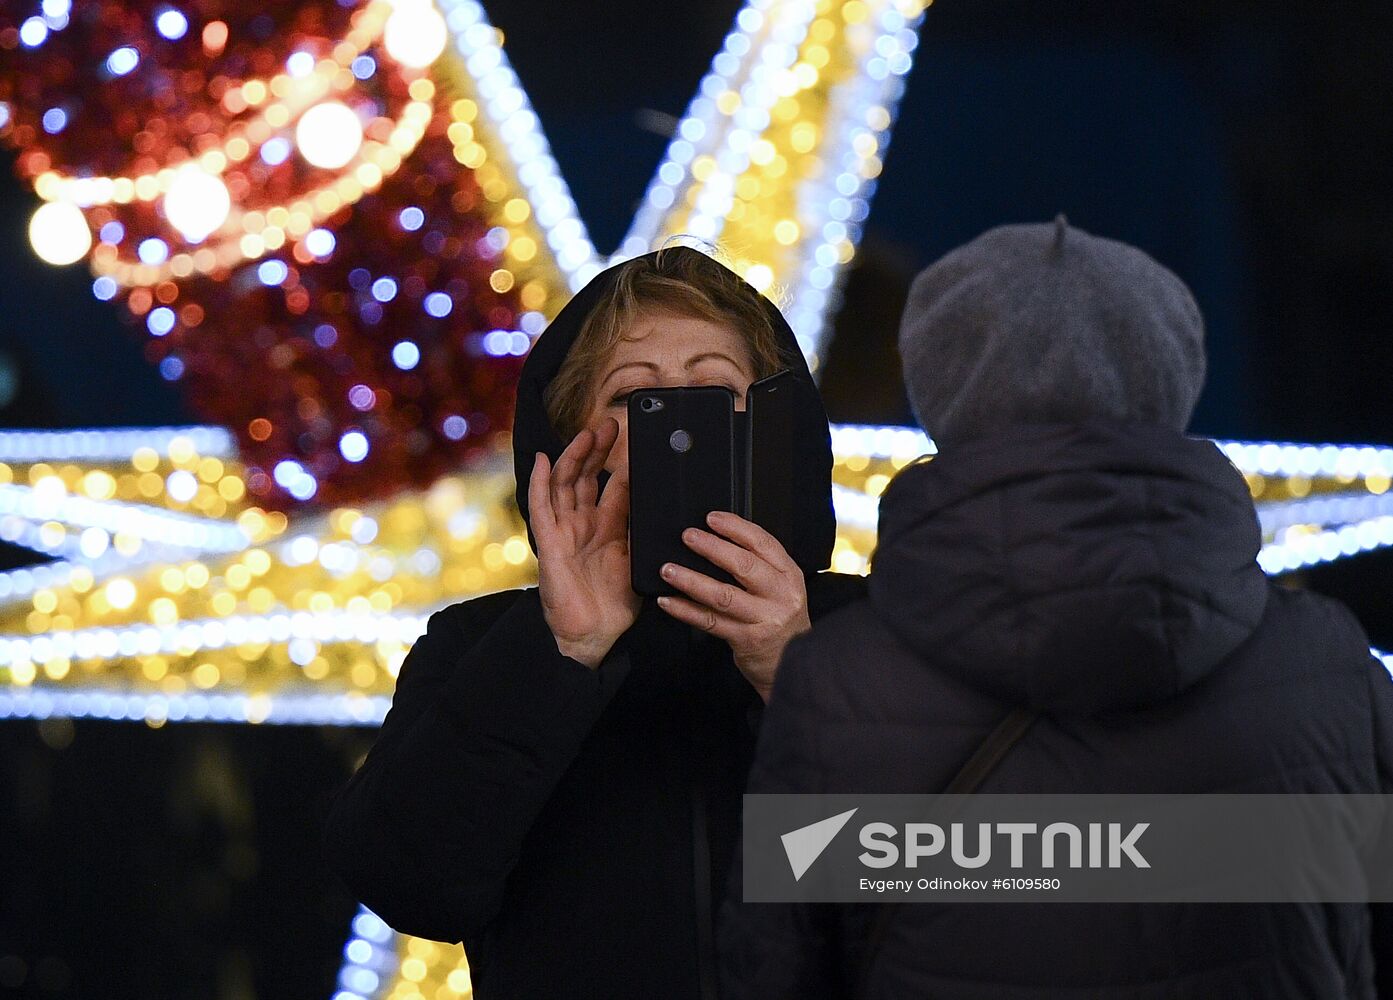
(386, 336)
(356, 343)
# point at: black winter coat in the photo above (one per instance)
(1106, 574)
(571, 826)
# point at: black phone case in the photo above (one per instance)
(766, 434)
(682, 465)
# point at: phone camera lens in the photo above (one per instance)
(650, 404)
(680, 441)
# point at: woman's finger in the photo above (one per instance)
(563, 479)
(588, 481)
(699, 616)
(612, 513)
(541, 515)
(725, 599)
(606, 435)
(751, 536)
(754, 572)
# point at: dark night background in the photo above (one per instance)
(1247, 146)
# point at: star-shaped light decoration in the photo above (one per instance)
(199, 573)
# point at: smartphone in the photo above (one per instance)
(767, 439)
(682, 465)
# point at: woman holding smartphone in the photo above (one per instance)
(558, 782)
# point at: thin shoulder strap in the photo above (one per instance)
(982, 762)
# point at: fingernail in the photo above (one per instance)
(664, 601)
(690, 535)
(669, 570)
(715, 516)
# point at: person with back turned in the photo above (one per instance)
(1070, 552)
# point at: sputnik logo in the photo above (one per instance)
(806, 844)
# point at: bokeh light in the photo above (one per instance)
(59, 233)
(171, 23)
(415, 34)
(329, 135)
(197, 203)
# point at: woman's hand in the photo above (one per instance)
(758, 620)
(583, 546)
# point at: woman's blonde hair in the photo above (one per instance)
(678, 280)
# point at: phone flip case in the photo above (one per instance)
(691, 452)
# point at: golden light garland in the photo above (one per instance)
(293, 95)
(477, 146)
(265, 230)
(417, 551)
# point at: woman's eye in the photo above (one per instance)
(622, 398)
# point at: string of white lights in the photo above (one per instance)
(370, 959)
(1327, 510)
(854, 509)
(152, 524)
(881, 442)
(833, 204)
(1270, 458)
(115, 445)
(342, 558)
(189, 637)
(1298, 549)
(1385, 658)
(758, 49)
(69, 550)
(1265, 458)
(506, 105)
(22, 582)
(731, 136)
(302, 708)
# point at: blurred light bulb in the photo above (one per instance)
(181, 485)
(329, 135)
(415, 33)
(354, 446)
(760, 276)
(33, 32)
(120, 593)
(172, 24)
(122, 60)
(59, 233)
(197, 203)
(300, 63)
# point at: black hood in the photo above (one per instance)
(1073, 567)
(815, 525)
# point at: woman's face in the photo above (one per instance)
(664, 350)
